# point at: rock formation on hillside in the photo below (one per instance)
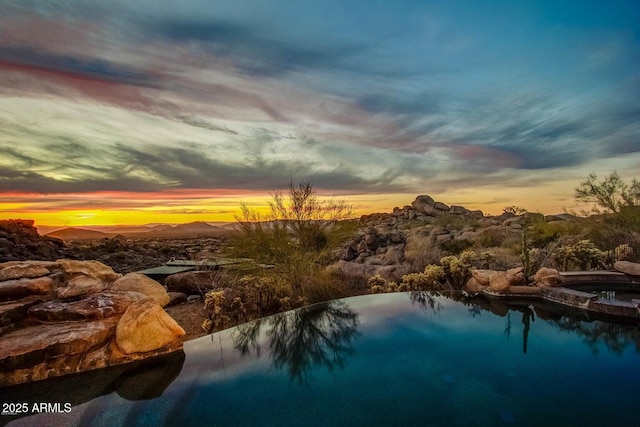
(62, 317)
(20, 240)
(386, 241)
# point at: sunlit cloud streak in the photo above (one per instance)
(359, 98)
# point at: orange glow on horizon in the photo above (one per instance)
(175, 207)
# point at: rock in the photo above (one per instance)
(430, 211)
(31, 345)
(15, 311)
(364, 271)
(421, 202)
(474, 286)
(94, 307)
(176, 298)
(94, 269)
(444, 237)
(79, 286)
(19, 271)
(516, 276)
(194, 282)
(459, 210)
(467, 235)
(499, 282)
(533, 216)
(510, 222)
(441, 206)
(627, 267)
(192, 298)
(393, 255)
(19, 288)
(144, 327)
(143, 284)
(547, 277)
(483, 276)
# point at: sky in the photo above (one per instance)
(145, 111)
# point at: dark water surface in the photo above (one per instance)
(388, 360)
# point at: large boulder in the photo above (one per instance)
(627, 267)
(31, 345)
(144, 327)
(14, 311)
(19, 288)
(97, 306)
(393, 255)
(140, 283)
(79, 286)
(421, 202)
(499, 282)
(95, 269)
(24, 270)
(547, 277)
(474, 286)
(516, 276)
(194, 282)
(483, 277)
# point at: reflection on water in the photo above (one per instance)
(321, 335)
(397, 359)
(141, 380)
(615, 334)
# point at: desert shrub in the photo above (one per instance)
(251, 297)
(514, 210)
(420, 250)
(493, 237)
(296, 237)
(455, 222)
(455, 246)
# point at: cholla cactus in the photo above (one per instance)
(583, 255)
(214, 304)
(622, 252)
(431, 278)
(458, 270)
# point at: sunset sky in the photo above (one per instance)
(144, 111)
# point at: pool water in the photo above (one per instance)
(389, 360)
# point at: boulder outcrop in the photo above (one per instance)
(63, 316)
(627, 267)
(383, 239)
(143, 284)
(19, 239)
(496, 281)
(547, 277)
(145, 326)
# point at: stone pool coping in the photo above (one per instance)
(566, 296)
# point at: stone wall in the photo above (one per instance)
(66, 316)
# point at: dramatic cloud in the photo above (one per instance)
(361, 99)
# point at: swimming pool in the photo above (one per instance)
(389, 359)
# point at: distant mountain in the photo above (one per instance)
(198, 228)
(125, 229)
(72, 233)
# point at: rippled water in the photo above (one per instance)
(392, 359)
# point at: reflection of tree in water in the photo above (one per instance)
(614, 336)
(319, 335)
(427, 300)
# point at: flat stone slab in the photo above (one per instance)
(31, 345)
(93, 307)
(19, 288)
(15, 311)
